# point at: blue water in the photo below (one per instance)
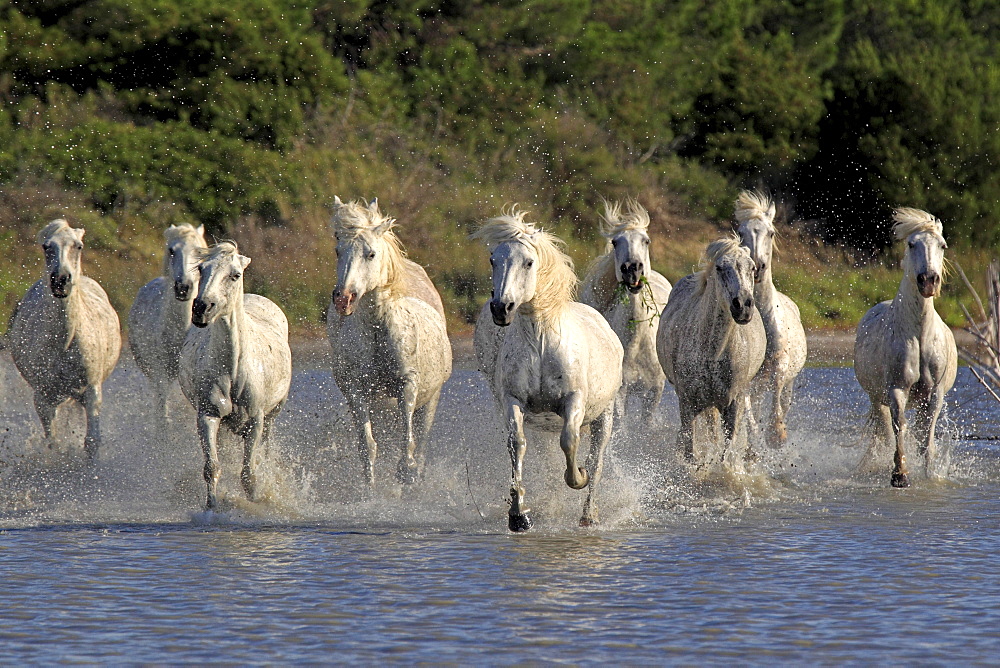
(805, 562)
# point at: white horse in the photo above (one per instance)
(626, 290)
(386, 326)
(64, 335)
(786, 339)
(161, 313)
(235, 366)
(555, 363)
(903, 351)
(711, 342)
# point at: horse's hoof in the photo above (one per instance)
(589, 521)
(900, 480)
(577, 484)
(519, 523)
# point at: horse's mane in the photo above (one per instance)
(557, 280)
(601, 274)
(716, 250)
(352, 219)
(51, 229)
(183, 232)
(910, 221)
(221, 250)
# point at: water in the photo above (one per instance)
(801, 560)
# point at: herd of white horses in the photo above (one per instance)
(729, 343)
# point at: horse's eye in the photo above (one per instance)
(235, 277)
(614, 242)
(645, 241)
(371, 255)
(492, 262)
(718, 269)
(911, 244)
(529, 264)
(78, 246)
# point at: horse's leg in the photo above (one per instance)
(406, 471)
(423, 420)
(782, 402)
(650, 402)
(208, 433)
(517, 517)
(731, 415)
(753, 431)
(600, 434)
(685, 434)
(92, 400)
(569, 440)
(367, 447)
(925, 425)
(620, 407)
(897, 407)
(46, 409)
(252, 434)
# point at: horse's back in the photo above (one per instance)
(419, 286)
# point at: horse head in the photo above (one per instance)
(923, 262)
(220, 284)
(515, 279)
(755, 216)
(181, 261)
(732, 271)
(627, 233)
(366, 252)
(63, 247)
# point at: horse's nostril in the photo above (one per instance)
(748, 304)
(508, 307)
(736, 303)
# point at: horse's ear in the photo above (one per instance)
(201, 230)
(79, 233)
(384, 227)
(770, 212)
(373, 205)
(244, 260)
(336, 202)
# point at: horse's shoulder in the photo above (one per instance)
(660, 285)
(418, 285)
(680, 296)
(590, 318)
(264, 311)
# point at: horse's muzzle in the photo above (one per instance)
(344, 303)
(199, 313)
(758, 272)
(632, 273)
(929, 284)
(59, 283)
(182, 291)
(741, 309)
(503, 313)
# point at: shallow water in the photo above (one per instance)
(797, 559)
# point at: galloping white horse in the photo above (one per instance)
(786, 339)
(161, 313)
(387, 329)
(711, 342)
(64, 335)
(903, 351)
(235, 366)
(555, 363)
(622, 285)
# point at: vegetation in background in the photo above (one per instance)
(129, 115)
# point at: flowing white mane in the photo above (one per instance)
(716, 250)
(52, 229)
(754, 205)
(557, 280)
(614, 220)
(223, 249)
(353, 219)
(910, 221)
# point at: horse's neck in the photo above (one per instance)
(227, 336)
(912, 312)
(605, 283)
(176, 314)
(375, 308)
(714, 325)
(68, 316)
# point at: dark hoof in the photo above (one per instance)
(574, 484)
(900, 480)
(406, 476)
(587, 521)
(518, 523)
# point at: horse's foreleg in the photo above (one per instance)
(367, 447)
(897, 408)
(517, 517)
(730, 422)
(753, 431)
(406, 472)
(252, 435)
(569, 440)
(92, 400)
(782, 402)
(423, 420)
(685, 434)
(600, 434)
(650, 402)
(926, 425)
(46, 410)
(208, 433)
